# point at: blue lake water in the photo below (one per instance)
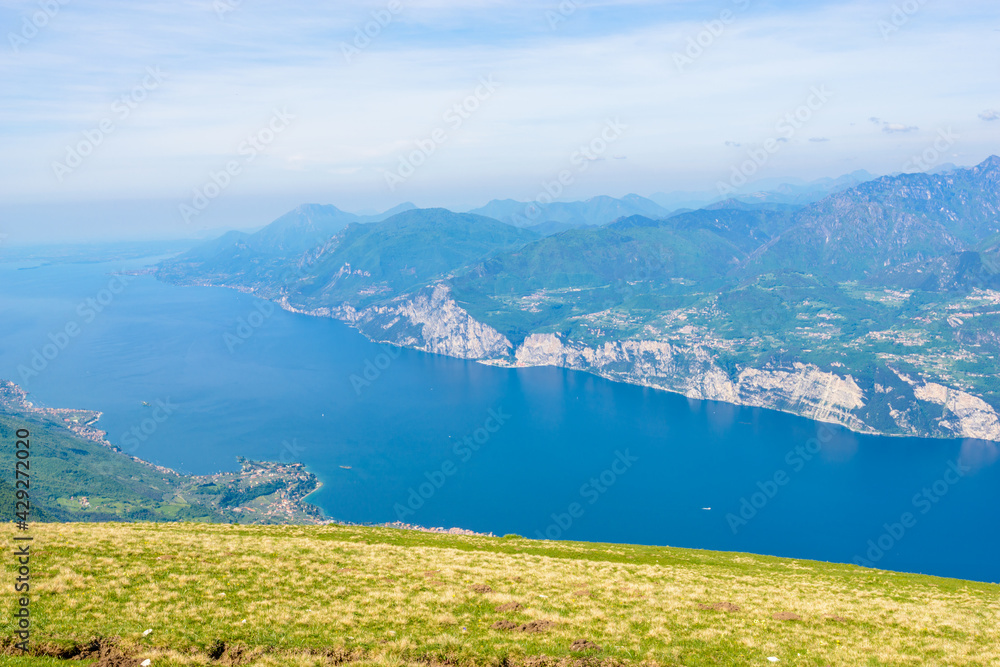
(576, 457)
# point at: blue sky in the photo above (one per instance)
(895, 75)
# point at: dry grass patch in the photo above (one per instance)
(328, 595)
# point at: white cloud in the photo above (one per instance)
(556, 90)
(892, 128)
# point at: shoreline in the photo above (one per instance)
(512, 363)
(824, 417)
(400, 525)
(14, 399)
(290, 501)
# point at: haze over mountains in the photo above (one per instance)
(773, 190)
(310, 223)
(594, 211)
(876, 306)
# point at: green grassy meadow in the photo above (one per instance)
(327, 595)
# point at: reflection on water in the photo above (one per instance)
(978, 454)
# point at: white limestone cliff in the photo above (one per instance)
(432, 321)
(691, 370)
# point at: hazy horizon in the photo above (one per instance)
(103, 221)
(118, 115)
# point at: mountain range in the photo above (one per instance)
(875, 306)
(560, 216)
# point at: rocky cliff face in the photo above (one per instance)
(430, 321)
(433, 322)
(965, 415)
(808, 311)
(801, 389)
(691, 370)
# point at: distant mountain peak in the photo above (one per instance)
(992, 163)
(400, 208)
(313, 208)
(598, 210)
(631, 221)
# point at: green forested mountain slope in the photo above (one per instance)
(74, 478)
(875, 307)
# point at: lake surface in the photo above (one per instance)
(575, 457)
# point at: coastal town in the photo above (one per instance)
(258, 492)
(80, 422)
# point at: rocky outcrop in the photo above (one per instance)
(430, 321)
(962, 415)
(805, 390)
(966, 416)
(433, 322)
(691, 370)
(687, 370)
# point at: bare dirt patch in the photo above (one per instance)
(584, 645)
(536, 626)
(552, 661)
(227, 654)
(719, 606)
(105, 650)
(481, 588)
(529, 627)
(786, 616)
(108, 654)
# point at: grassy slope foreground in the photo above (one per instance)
(318, 595)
